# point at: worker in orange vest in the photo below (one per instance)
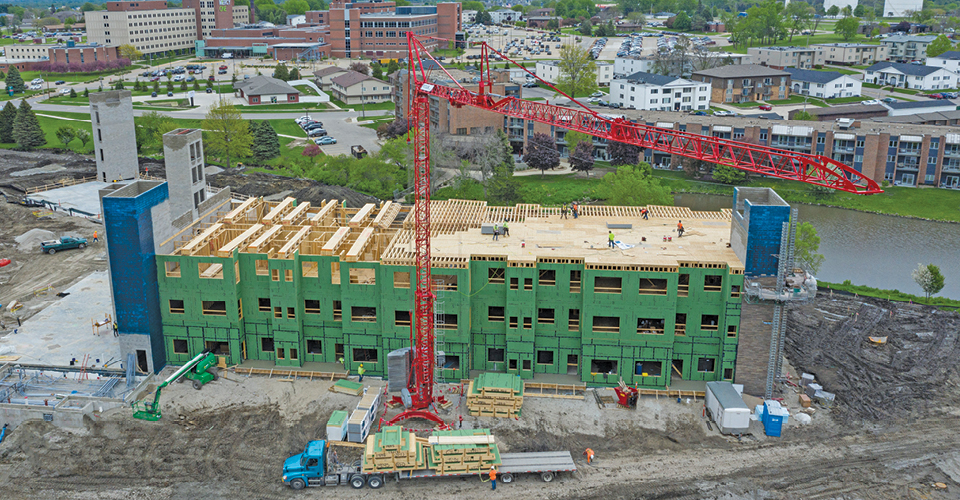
(589, 454)
(95, 239)
(493, 477)
(679, 229)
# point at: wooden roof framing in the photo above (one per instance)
(331, 246)
(202, 239)
(326, 214)
(253, 231)
(294, 242)
(362, 218)
(267, 235)
(388, 214)
(356, 251)
(278, 211)
(296, 214)
(241, 210)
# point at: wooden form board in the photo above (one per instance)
(296, 213)
(325, 212)
(388, 214)
(331, 246)
(202, 239)
(487, 439)
(279, 210)
(265, 237)
(212, 271)
(231, 216)
(356, 251)
(362, 217)
(294, 242)
(227, 250)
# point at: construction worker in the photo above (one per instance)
(496, 232)
(116, 330)
(679, 228)
(95, 239)
(645, 213)
(563, 211)
(576, 209)
(493, 477)
(506, 229)
(589, 455)
(361, 371)
(342, 362)
(611, 238)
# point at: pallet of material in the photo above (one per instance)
(462, 451)
(347, 387)
(495, 395)
(394, 449)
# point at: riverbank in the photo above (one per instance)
(893, 295)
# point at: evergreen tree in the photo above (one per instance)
(156, 86)
(26, 128)
(377, 71)
(266, 144)
(73, 93)
(7, 116)
(294, 75)
(196, 85)
(14, 80)
(281, 72)
(86, 92)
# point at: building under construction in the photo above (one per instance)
(297, 284)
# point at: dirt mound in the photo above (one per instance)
(904, 378)
(30, 240)
(263, 184)
(21, 170)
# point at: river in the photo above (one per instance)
(870, 249)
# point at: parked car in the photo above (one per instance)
(153, 94)
(317, 132)
(223, 66)
(325, 140)
(724, 113)
(889, 99)
(597, 94)
(221, 72)
(766, 107)
(209, 90)
(65, 243)
(59, 82)
(169, 94)
(870, 101)
(313, 126)
(64, 91)
(529, 85)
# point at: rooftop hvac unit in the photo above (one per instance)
(845, 123)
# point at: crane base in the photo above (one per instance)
(422, 413)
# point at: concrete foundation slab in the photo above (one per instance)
(83, 197)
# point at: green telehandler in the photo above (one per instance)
(201, 370)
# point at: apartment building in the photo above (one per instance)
(379, 29)
(324, 289)
(357, 88)
(902, 154)
(658, 92)
(628, 65)
(906, 48)
(949, 61)
(745, 83)
(154, 29)
(825, 84)
(911, 76)
(786, 57)
(550, 71)
(850, 54)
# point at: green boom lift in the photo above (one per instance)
(200, 370)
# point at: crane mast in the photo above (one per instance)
(811, 169)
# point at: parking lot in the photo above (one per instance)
(343, 127)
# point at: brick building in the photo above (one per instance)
(745, 83)
(266, 90)
(282, 43)
(153, 28)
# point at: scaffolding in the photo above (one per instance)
(45, 387)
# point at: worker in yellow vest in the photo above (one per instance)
(361, 371)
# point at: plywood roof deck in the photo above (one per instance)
(536, 233)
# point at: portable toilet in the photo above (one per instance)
(773, 418)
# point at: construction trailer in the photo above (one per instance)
(293, 283)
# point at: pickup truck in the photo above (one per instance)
(64, 243)
(313, 467)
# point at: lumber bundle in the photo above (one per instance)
(495, 395)
(394, 449)
(465, 451)
(347, 387)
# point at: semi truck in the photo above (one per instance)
(315, 467)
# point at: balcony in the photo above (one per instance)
(951, 153)
(908, 166)
(950, 168)
(909, 151)
(843, 149)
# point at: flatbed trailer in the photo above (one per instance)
(313, 468)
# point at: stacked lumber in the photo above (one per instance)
(495, 395)
(347, 387)
(394, 449)
(465, 451)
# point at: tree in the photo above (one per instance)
(311, 151)
(377, 71)
(806, 246)
(939, 46)
(392, 130)
(169, 87)
(847, 27)
(572, 138)
(860, 11)
(586, 29)
(833, 11)
(66, 135)
(26, 128)
(87, 7)
(156, 88)
(682, 22)
(483, 17)
(360, 67)
(294, 75)
(86, 92)
(228, 135)
(581, 159)
(542, 153)
(728, 175)
(392, 66)
(578, 71)
(847, 11)
(929, 278)
(502, 187)
(128, 51)
(635, 185)
(295, 7)
(196, 85)
(280, 72)
(803, 116)
(623, 154)
(14, 81)
(84, 136)
(266, 144)
(798, 15)
(7, 116)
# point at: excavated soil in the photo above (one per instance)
(913, 375)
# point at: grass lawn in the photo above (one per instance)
(377, 121)
(838, 70)
(388, 106)
(50, 126)
(287, 127)
(282, 107)
(798, 99)
(306, 89)
(895, 295)
(71, 77)
(744, 105)
(802, 41)
(846, 100)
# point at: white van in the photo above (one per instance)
(227, 55)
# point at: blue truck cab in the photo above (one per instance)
(307, 468)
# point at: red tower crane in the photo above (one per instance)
(811, 169)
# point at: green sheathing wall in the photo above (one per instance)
(529, 347)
